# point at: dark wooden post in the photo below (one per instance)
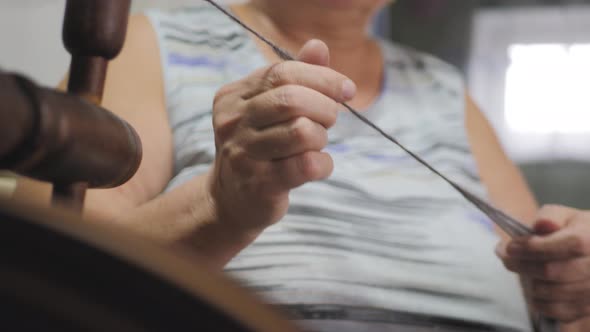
(93, 32)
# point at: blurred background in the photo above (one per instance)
(526, 63)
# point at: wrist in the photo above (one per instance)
(219, 244)
(226, 212)
(217, 237)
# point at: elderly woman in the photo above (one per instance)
(253, 162)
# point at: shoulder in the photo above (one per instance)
(406, 58)
(197, 37)
(197, 13)
(194, 24)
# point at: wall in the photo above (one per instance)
(30, 35)
(495, 31)
(439, 27)
(556, 165)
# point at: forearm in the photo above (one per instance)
(505, 184)
(185, 216)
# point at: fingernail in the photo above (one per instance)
(348, 90)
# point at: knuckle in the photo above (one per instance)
(220, 128)
(277, 74)
(578, 244)
(313, 166)
(510, 264)
(332, 112)
(287, 97)
(224, 125)
(240, 162)
(235, 155)
(331, 81)
(330, 167)
(223, 92)
(218, 121)
(251, 146)
(551, 271)
(301, 130)
(308, 166)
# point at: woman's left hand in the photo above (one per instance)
(555, 262)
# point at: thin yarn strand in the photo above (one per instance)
(507, 223)
(510, 225)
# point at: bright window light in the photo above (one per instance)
(548, 88)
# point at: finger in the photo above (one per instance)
(565, 312)
(553, 217)
(286, 140)
(289, 102)
(564, 244)
(554, 240)
(295, 171)
(501, 249)
(315, 52)
(236, 160)
(322, 79)
(574, 270)
(552, 291)
(580, 222)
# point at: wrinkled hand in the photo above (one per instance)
(556, 262)
(270, 129)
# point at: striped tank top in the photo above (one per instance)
(383, 236)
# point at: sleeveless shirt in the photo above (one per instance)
(383, 234)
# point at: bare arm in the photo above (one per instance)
(505, 184)
(134, 91)
(269, 135)
(509, 191)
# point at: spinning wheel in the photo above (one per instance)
(59, 273)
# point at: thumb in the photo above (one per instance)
(552, 218)
(546, 227)
(315, 52)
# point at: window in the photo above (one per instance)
(547, 88)
(530, 73)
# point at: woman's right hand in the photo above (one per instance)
(270, 129)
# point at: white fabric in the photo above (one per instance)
(382, 233)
